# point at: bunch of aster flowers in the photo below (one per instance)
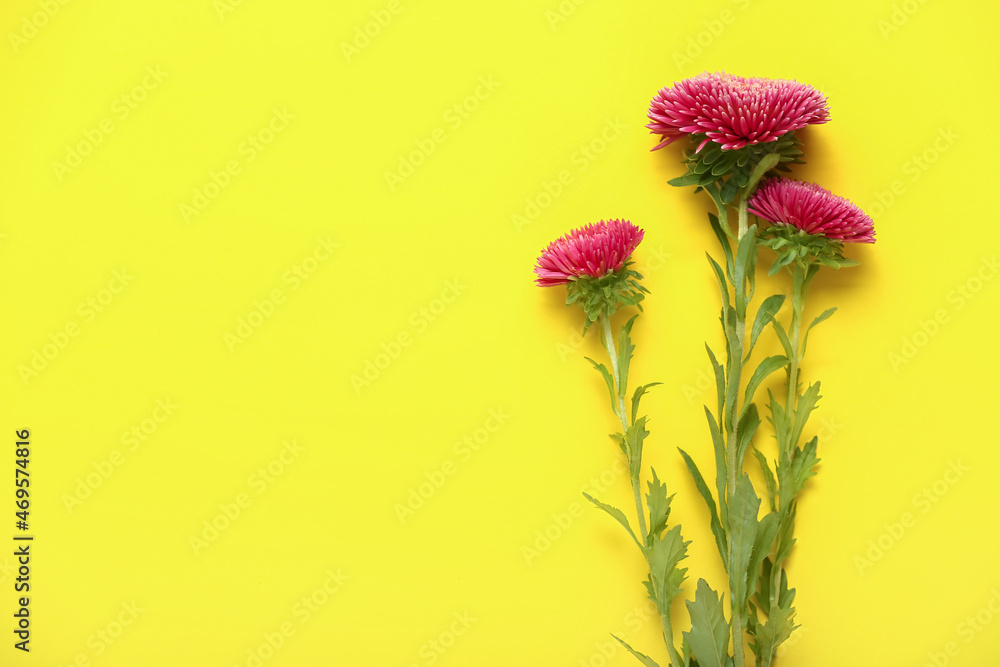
(741, 133)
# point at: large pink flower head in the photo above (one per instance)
(594, 250)
(811, 209)
(734, 111)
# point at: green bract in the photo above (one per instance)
(726, 171)
(794, 245)
(607, 294)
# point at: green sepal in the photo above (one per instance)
(607, 294)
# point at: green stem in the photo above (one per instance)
(620, 384)
(738, 619)
(799, 289)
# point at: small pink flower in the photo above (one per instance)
(811, 209)
(594, 250)
(734, 111)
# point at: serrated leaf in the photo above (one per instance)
(765, 368)
(616, 514)
(634, 438)
(640, 391)
(767, 530)
(745, 432)
(642, 657)
(664, 553)
(743, 518)
(803, 408)
(803, 465)
(706, 494)
(659, 505)
(610, 381)
(768, 309)
(709, 635)
(769, 481)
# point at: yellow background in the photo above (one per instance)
(434, 273)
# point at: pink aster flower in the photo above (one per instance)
(812, 209)
(734, 111)
(593, 250)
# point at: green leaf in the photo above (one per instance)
(803, 408)
(689, 178)
(616, 514)
(664, 553)
(822, 316)
(634, 437)
(768, 636)
(723, 289)
(625, 350)
(709, 635)
(765, 368)
(729, 190)
(745, 432)
(706, 494)
(742, 538)
(720, 379)
(659, 506)
(721, 234)
(720, 462)
(642, 657)
(610, 381)
(803, 465)
(786, 344)
(746, 257)
(769, 481)
(766, 164)
(768, 309)
(767, 530)
(640, 391)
